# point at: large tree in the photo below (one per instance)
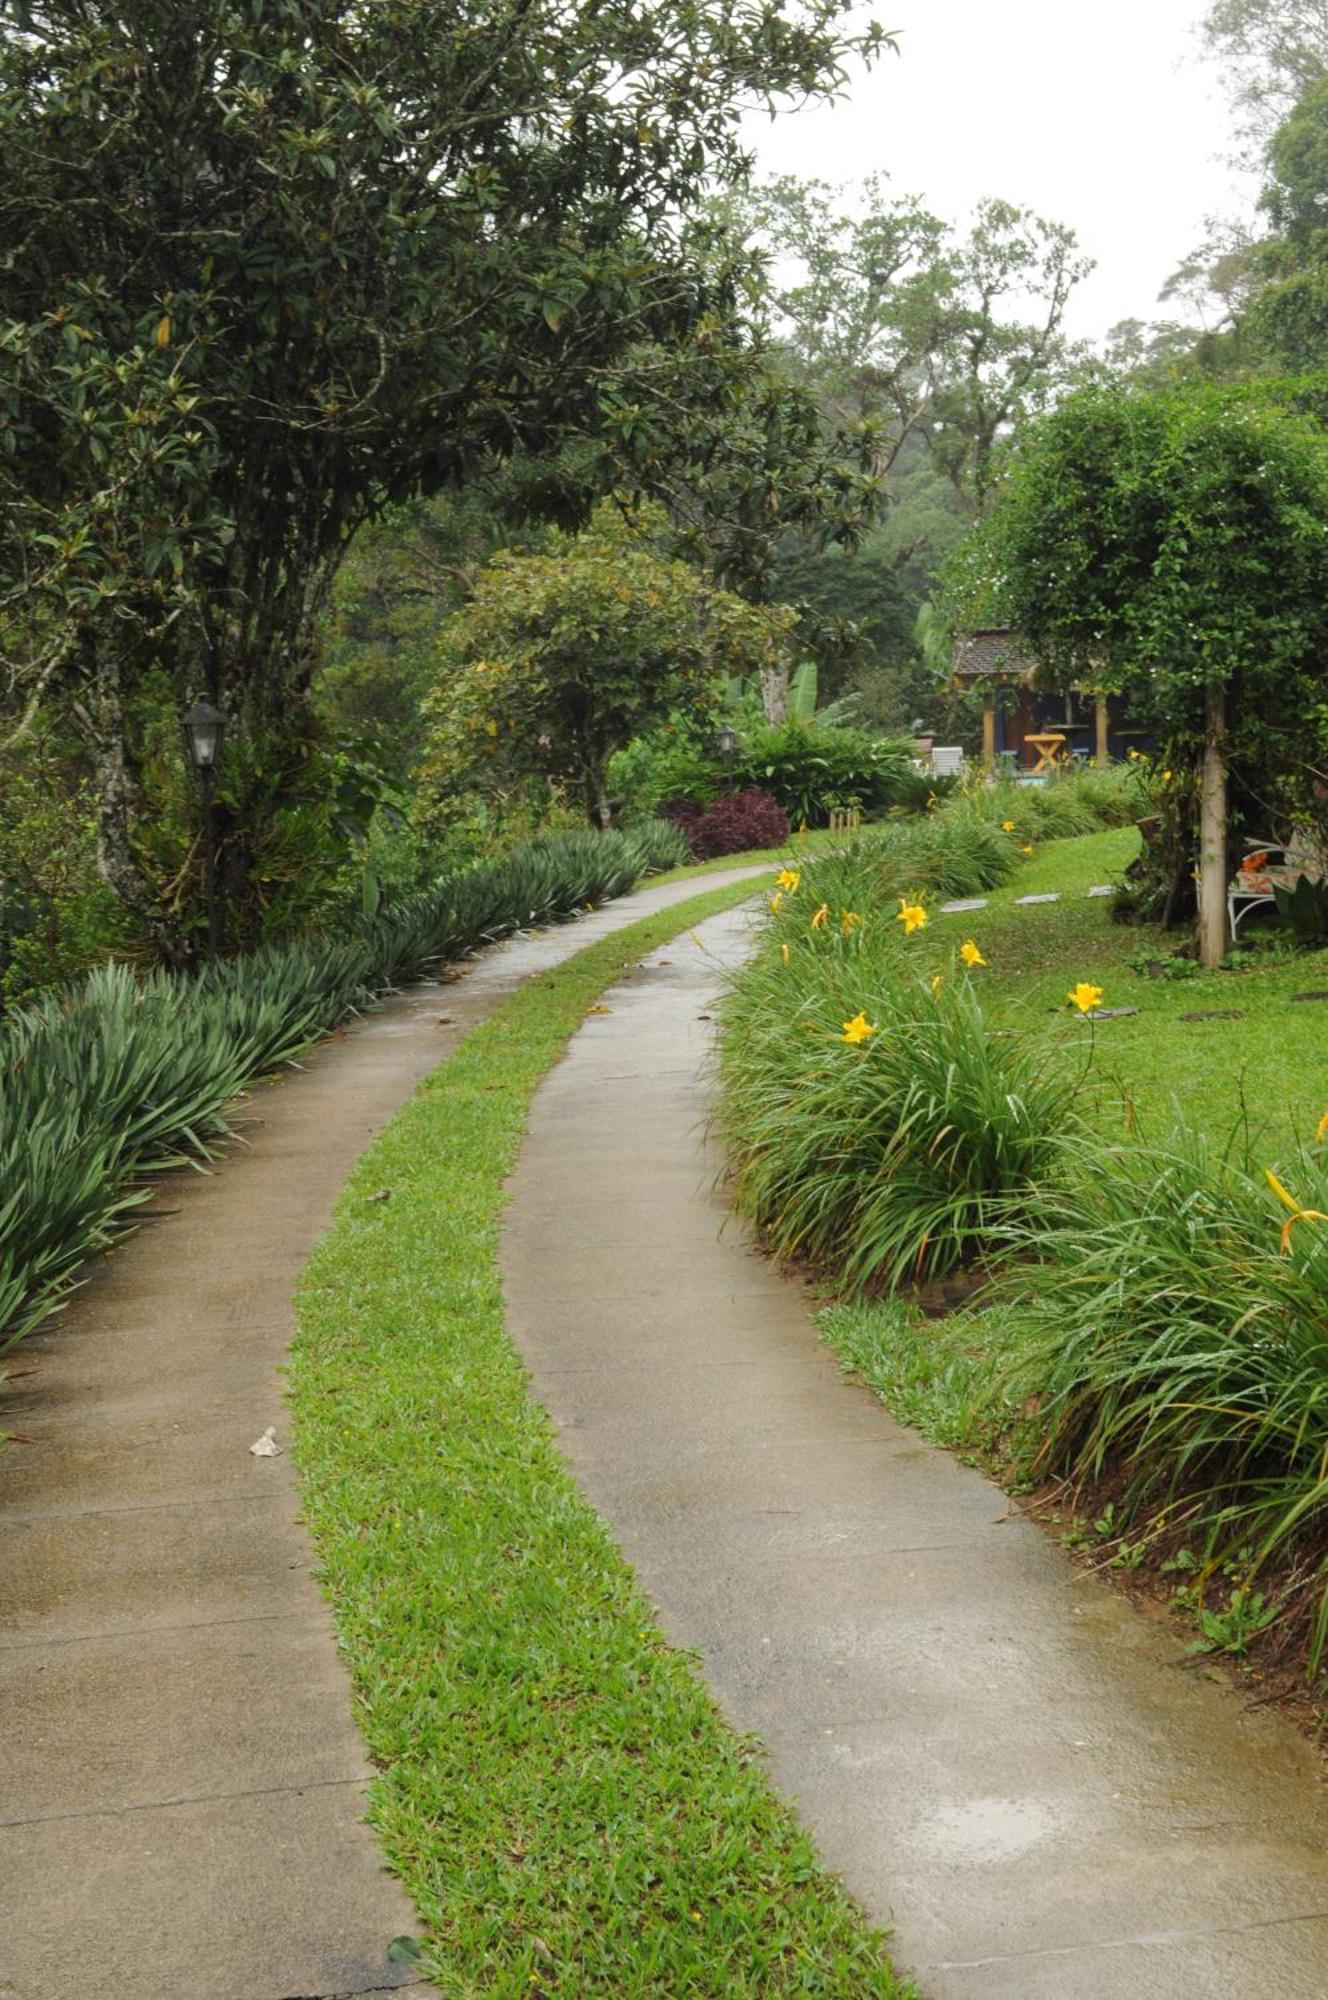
(1174, 544)
(1269, 52)
(273, 264)
(897, 317)
(561, 657)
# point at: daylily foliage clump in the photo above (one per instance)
(1161, 1301)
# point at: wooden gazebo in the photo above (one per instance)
(991, 659)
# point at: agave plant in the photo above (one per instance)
(123, 1076)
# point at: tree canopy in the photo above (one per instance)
(560, 657)
(1174, 544)
(273, 264)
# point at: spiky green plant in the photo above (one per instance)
(1175, 1331)
(875, 1125)
(122, 1077)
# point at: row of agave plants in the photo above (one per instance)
(114, 1080)
(1162, 1306)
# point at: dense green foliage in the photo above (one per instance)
(813, 767)
(560, 657)
(1174, 545)
(120, 1078)
(916, 1139)
(272, 266)
(1175, 1334)
(57, 919)
(555, 1789)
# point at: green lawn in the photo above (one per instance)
(1263, 1076)
(1270, 1066)
(556, 1790)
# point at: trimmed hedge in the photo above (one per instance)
(120, 1077)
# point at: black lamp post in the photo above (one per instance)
(204, 727)
(726, 742)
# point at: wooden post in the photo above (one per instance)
(1103, 756)
(1213, 932)
(988, 729)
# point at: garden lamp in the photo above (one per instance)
(203, 728)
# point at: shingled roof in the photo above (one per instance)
(992, 654)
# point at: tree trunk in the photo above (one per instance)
(1214, 935)
(599, 807)
(101, 712)
(775, 694)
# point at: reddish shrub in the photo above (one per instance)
(735, 823)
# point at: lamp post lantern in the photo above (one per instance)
(204, 728)
(726, 742)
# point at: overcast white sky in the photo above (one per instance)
(1099, 117)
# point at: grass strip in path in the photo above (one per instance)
(557, 1792)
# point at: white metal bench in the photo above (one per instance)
(1267, 867)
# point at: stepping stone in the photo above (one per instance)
(1109, 1014)
(1053, 896)
(964, 903)
(1319, 993)
(1217, 1014)
(1101, 889)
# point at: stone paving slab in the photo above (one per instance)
(182, 1783)
(1031, 1781)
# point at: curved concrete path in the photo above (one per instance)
(998, 1754)
(181, 1782)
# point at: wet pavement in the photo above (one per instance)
(1041, 1791)
(182, 1783)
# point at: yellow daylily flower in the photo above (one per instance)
(491, 727)
(788, 879)
(911, 915)
(849, 921)
(932, 800)
(1029, 849)
(1007, 826)
(937, 981)
(1084, 996)
(1166, 777)
(776, 901)
(784, 953)
(859, 1029)
(970, 954)
(821, 917)
(1298, 1214)
(1321, 1130)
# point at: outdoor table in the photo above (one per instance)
(1048, 744)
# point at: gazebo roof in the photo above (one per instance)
(992, 654)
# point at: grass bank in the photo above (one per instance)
(556, 1789)
(1143, 1197)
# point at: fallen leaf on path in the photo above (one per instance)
(266, 1446)
(599, 1010)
